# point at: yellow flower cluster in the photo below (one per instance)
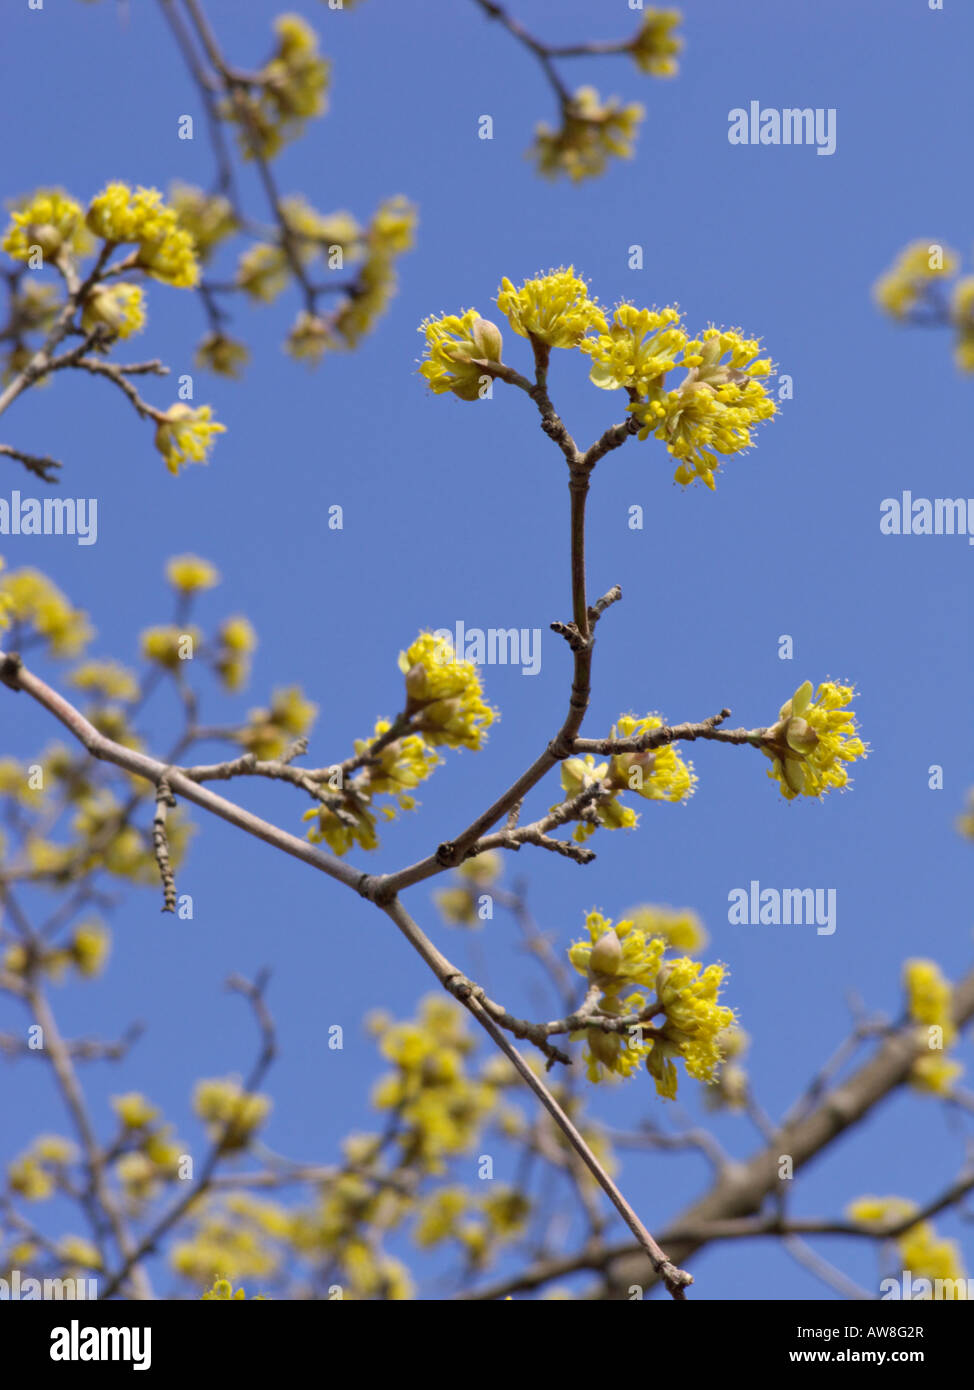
(813, 740)
(444, 697)
(184, 434)
(231, 1114)
(591, 132)
(459, 903)
(262, 272)
(208, 218)
(479, 1224)
(903, 287)
(440, 1106)
(655, 47)
(166, 251)
(223, 1291)
(715, 407)
(188, 574)
(109, 679)
(168, 644)
(48, 219)
(269, 731)
(636, 349)
(264, 269)
(555, 308)
(659, 774)
(86, 951)
(37, 1174)
(290, 89)
(31, 599)
(221, 354)
(929, 1001)
(457, 347)
(120, 848)
(390, 233)
(393, 770)
(680, 928)
(922, 1253)
(232, 1240)
(711, 412)
(117, 309)
(694, 1025)
(236, 642)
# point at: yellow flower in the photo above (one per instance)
(291, 88)
(390, 233)
(166, 249)
(655, 46)
(637, 963)
(679, 927)
(309, 338)
(48, 219)
(118, 307)
(108, 678)
(30, 598)
(921, 1252)
(636, 349)
(400, 765)
(222, 355)
(134, 1110)
(900, 290)
(188, 574)
(444, 694)
(694, 1023)
(262, 271)
(715, 407)
(591, 132)
(222, 1291)
(270, 730)
(935, 1074)
(929, 1001)
(168, 645)
(237, 640)
(962, 314)
(207, 217)
(577, 775)
(231, 1114)
(76, 1252)
(694, 1026)
(554, 308)
(456, 346)
(813, 740)
(659, 774)
(89, 949)
(185, 435)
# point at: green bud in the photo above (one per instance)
(606, 955)
(799, 735)
(487, 339)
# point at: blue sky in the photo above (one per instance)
(459, 511)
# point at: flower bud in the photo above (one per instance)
(417, 687)
(604, 1046)
(606, 955)
(487, 339)
(799, 735)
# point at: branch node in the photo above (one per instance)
(10, 671)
